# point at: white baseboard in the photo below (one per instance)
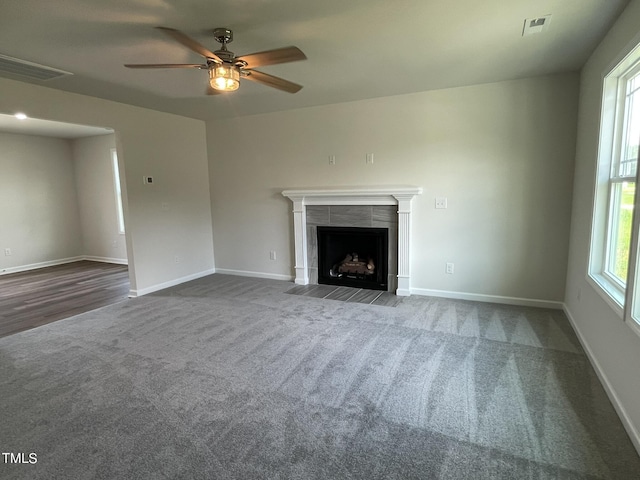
(119, 261)
(632, 431)
(478, 297)
(526, 302)
(35, 266)
(170, 283)
(245, 273)
(61, 261)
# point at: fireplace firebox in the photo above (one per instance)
(353, 257)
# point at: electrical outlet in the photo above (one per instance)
(441, 202)
(272, 254)
(332, 159)
(176, 259)
(7, 252)
(449, 268)
(369, 159)
(147, 180)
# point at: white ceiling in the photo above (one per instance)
(356, 49)
(47, 128)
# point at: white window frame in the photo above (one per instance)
(612, 122)
(117, 190)
(632, 300)
(615, 177)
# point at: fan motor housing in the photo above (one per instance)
(225, 55)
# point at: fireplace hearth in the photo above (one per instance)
(353, 257)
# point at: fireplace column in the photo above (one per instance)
(300, 237)
(404, 236)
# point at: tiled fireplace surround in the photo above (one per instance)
(379, 216)
(386, 207)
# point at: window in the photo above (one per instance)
(616, 181)
(614, 238)
(622, 182)
(116, 182)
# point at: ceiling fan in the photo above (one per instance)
(225, 69)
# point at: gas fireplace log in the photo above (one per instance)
(352, 265)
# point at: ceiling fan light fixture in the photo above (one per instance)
(225, 68)
(225, 78)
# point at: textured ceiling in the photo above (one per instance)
(356, 49)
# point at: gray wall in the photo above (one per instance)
(613, 346)
(501, 153)
(94, 182)
(60, 201)
(39, 218)
(172, 217)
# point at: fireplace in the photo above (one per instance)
(337, 203)
(353, 256)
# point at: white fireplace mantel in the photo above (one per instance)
(384, 195)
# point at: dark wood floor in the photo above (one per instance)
(37, 297)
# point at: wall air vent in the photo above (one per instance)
(15, 66)
(536, 25)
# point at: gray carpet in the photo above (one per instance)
(231, 378)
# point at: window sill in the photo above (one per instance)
(613, 297)
(609, 292)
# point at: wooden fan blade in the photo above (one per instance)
(165, 65)
(271, 57)
(190, 43)
(271, 81)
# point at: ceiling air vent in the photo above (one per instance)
(536, 25)
(15, 66)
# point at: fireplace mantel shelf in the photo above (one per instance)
(400, 195)
(382, 195)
